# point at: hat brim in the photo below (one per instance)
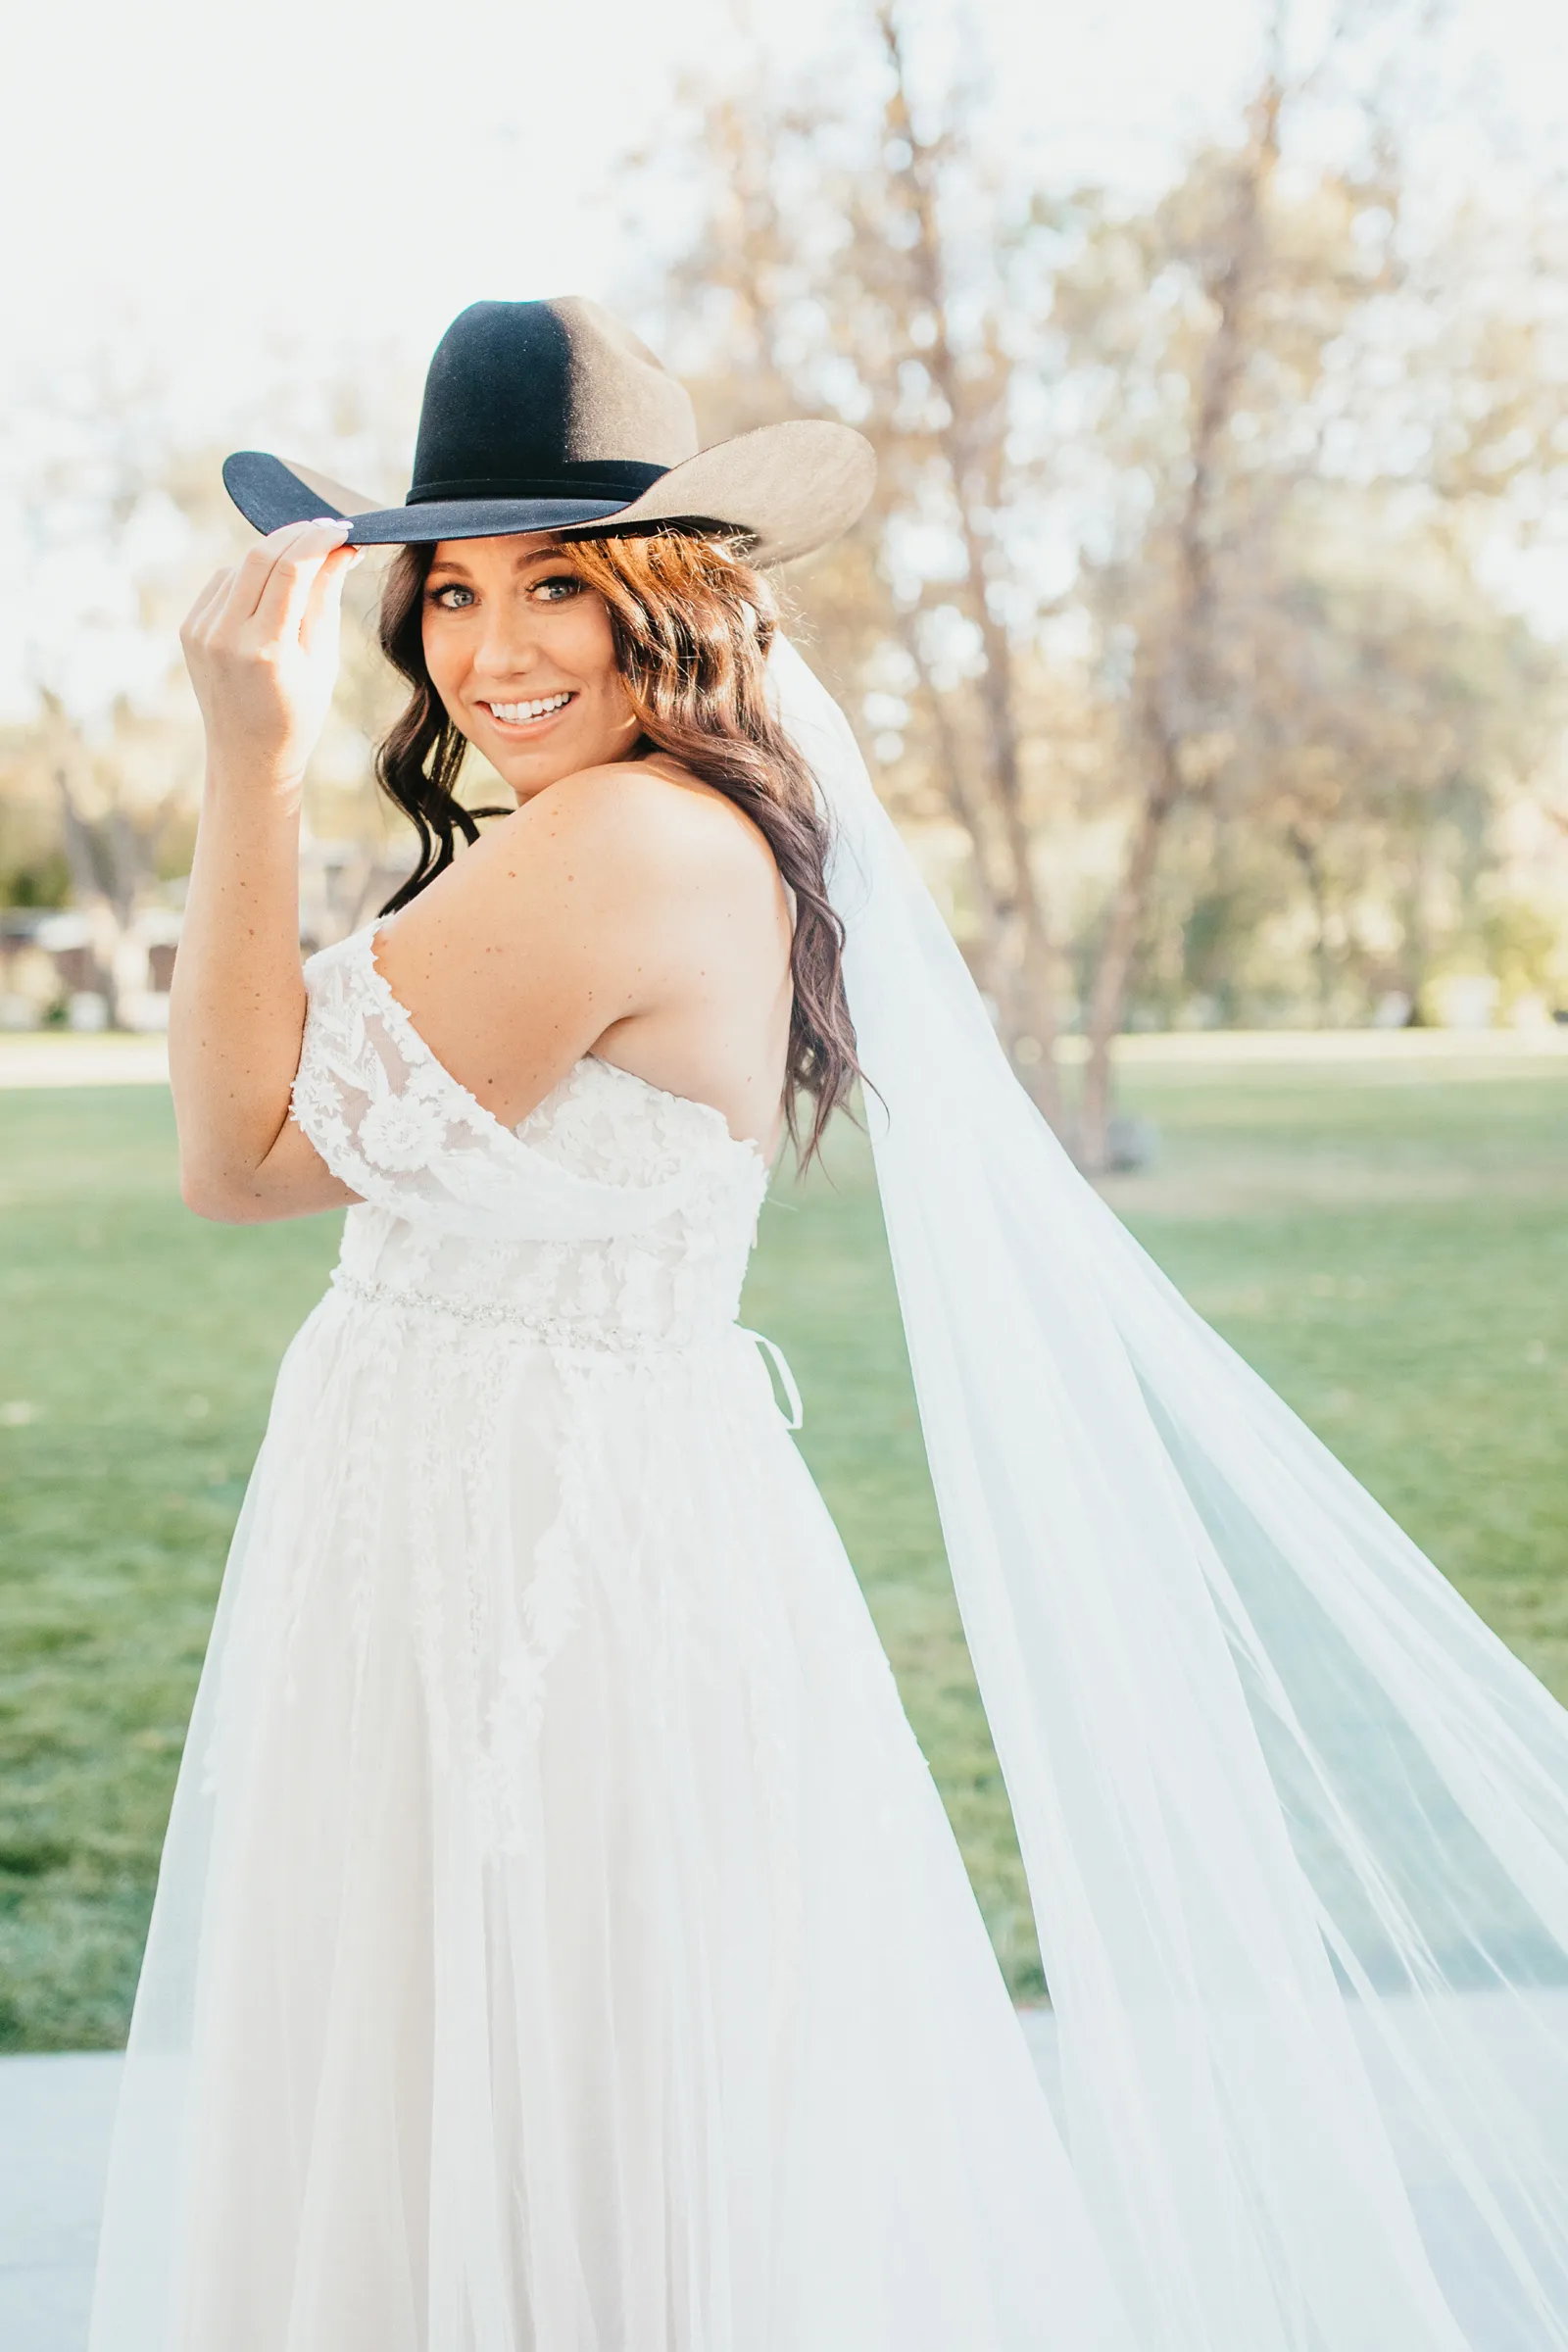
(790, 488)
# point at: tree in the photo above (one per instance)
(1309, 463)
(1178, 516)
(836, 282)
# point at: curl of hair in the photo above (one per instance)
(692, 623)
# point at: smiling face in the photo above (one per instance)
(519, 650)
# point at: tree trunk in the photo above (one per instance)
(93, 901)
(1019, 971)
(1113, 969)
(1016, 958)
(1019, 958)
(111, 865)
(1304, 852)
(1178, 702)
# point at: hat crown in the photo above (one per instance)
(553, 417)
(526, 392)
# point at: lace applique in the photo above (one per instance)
(506, 1728)
(394, 1124)
(602, 1120)
(614, 1216)
(401, 1133)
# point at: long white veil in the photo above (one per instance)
(1295, 1822)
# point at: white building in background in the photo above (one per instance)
(54, 963)
(344, 884)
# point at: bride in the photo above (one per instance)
(560, 1945)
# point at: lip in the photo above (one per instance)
(524, 730)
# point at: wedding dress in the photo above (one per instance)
(560, 1946)
(584, 1963)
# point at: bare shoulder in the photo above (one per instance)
(653, 816)
(625, 903)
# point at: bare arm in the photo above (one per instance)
(561, 922)
(611, 903)
(261, 648)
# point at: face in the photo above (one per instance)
(521, 654)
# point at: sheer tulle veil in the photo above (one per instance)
(1295, 1822)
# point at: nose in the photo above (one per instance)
(508, 646)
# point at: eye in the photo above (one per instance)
(557, 587)
(452, 597)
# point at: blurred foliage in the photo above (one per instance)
(44, 883)
(1181, 634)
(1176, 626)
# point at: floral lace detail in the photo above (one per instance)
(395, 1125)
(549, 1607)
(602, 1120)
(401, 1133)
(616, 1216)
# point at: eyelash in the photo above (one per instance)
(556, 579)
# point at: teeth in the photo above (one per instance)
(513, 713)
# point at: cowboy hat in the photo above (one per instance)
(553, 417)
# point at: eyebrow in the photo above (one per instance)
(455, 563)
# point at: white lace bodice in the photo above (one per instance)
(615, 1215)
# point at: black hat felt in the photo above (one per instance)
(553, 417)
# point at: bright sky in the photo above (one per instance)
(203, 186)
(213, 212)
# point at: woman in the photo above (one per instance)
(560, 1946)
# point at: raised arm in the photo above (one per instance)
(261, 644)
(623, 903)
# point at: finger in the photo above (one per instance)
(325, 601)
(206, 603)
(255, 577)
(280, 613)
(287, 594)
(246, 582)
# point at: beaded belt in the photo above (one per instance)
(554, 1331)
(498, 1314)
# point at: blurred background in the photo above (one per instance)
(1206, 638)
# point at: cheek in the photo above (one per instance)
(591, 650)
(445, 658)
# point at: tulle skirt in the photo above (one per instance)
(561, 1945)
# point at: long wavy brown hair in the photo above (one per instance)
(692, 625)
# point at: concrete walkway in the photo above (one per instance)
(55, 2121)
(54, 1057)
(55, 2117)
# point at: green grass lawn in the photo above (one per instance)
(1385, 1243)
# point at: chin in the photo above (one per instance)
(528, 770)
